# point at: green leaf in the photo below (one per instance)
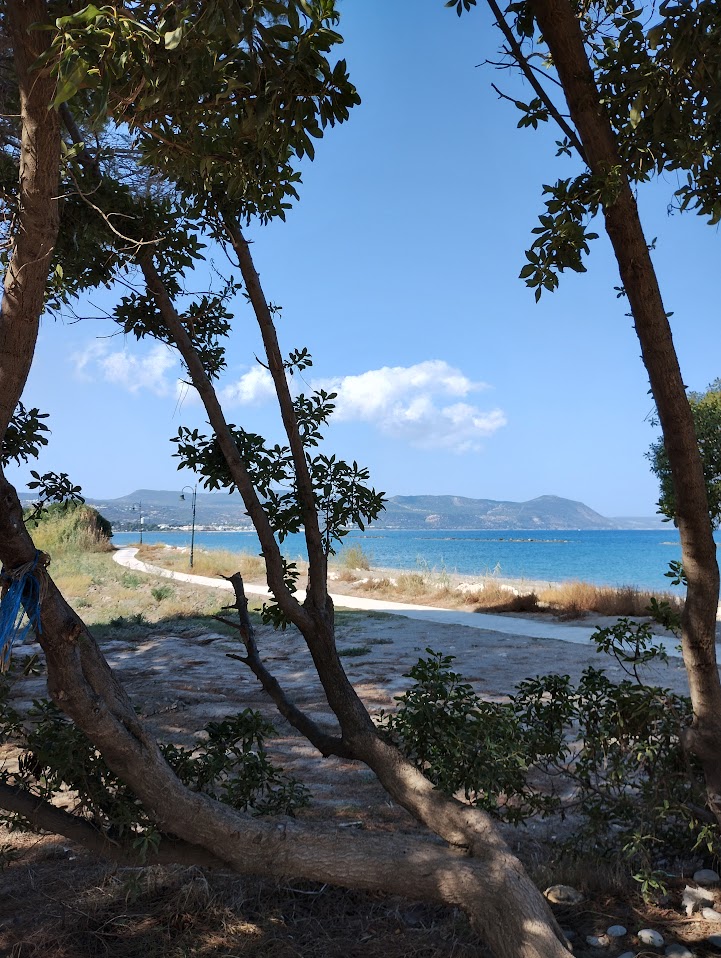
(172, 38)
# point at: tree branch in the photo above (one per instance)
(271, 551)
(326, 744)
(48, 818)
(38, 218)
(528, 72)
(317, 560)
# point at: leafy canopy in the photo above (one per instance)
(706, 410)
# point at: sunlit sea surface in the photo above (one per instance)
(615, 557)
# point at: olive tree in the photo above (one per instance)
(634, 91)
(219, 101)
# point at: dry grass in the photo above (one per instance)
(568, 601)
(574, 599)
(208, 562)
(53, 910)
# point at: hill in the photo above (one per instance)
(165, 509)
(457, 512)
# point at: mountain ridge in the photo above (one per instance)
(165, 509)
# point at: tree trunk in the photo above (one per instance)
(501, 902)
(562, 33)
(37, 229)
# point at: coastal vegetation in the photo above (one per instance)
(212, 106)
(352, 574)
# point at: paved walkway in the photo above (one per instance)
(510, 625)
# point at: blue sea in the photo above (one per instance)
(608, 557)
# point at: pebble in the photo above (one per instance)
(628, 954)
(598, 941)
(715, 941)
(706, 876)
(563, 895)
(616, 931)
(649, 936)
(678, 951)
(710, 914)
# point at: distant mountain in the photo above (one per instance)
(166, 509)
(457, 512)
(163, 509)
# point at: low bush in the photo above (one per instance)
(607, 752)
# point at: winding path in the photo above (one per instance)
(507, 624)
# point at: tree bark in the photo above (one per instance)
(561, 31)
(38, 218)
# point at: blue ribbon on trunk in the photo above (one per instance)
(22, 598)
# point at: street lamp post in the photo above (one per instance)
(193, 494)
(138, 507)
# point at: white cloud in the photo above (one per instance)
(127, 370)
(409, 403)
(255, 386)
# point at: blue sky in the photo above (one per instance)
(398, 270)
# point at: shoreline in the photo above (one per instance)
(636, 559)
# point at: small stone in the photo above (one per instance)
(569, 934)
(714, 941)
(563, 895)
(649, 936)
(678, 951)
(706, 876)
(694, 898)
(598, 941)
(628, 954)
(710, 914)
(616, 931)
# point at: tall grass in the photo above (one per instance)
(353, 557)
(70, 528)
(210, 562)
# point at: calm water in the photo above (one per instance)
(637, 558)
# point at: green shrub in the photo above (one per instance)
(232, 765)
(608, 751)
(160, 592)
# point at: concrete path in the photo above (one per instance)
(510, 625)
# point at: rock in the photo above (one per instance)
(628, 954)
(563, 895)
(616, 931)
(569, 934)
(649, 936)
(694, 898)
(714, 941)
(710, 914)
(598, 941)
(677, 950)
(706, 876)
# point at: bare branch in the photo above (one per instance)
(326, 744)
(528, 72)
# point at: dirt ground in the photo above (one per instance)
(58, 902)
